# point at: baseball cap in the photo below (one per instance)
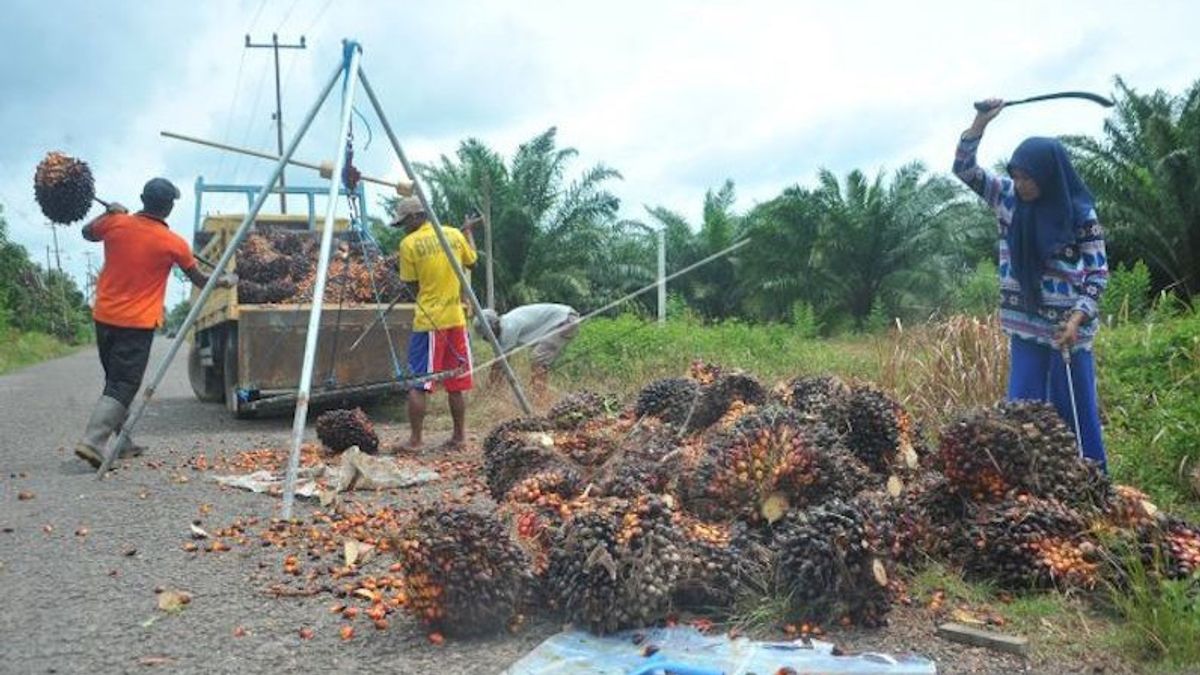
(159, 190)
(405, 208)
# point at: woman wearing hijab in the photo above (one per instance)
(1053, 269)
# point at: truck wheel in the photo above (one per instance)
(229, 362)
(207, 383)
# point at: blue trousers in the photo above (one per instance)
(1038, 373)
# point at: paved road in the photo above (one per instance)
(62, 610)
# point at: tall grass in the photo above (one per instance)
(19, 349)
(1162, 616)
(625, 352)
(939, 368)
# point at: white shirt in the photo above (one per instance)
(529, 323)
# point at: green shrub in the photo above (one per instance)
(805, 321)
(1127, 297)
(979, 294)
(1149, 380)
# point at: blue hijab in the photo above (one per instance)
(1042, 228)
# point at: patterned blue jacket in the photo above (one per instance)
(1072, 280)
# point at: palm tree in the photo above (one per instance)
(552, 238)
(886, 245)
(783, 235)
(1145, 173)
(711, 290)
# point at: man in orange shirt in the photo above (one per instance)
(139, 251)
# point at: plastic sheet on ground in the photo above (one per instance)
(357, 471)
(686, 651)
(266, 481)
(360, 471)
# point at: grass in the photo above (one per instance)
(1149, 379)
(622, 353)
(1161, 616)
(1061, 627)
(18, 350)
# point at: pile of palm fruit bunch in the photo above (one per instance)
(914, 520)
(462, 574)
(278, 265)
(770, 461)
(63, 187)
(828, 566)
(1029, 541)
(873, 425)
(988, 454)
(709, 396)
(1172, 546)
(616, 563)
(340, 429)
(705, 492)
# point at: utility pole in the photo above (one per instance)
(662, 276)
(57, 257)
(275, 46)
(90, 279)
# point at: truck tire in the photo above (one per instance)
(207, 383)
(229, 363)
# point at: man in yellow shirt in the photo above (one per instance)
(439, 341)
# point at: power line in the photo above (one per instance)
(237, 167)
(275, 46)
(321, 13)
(287, 15)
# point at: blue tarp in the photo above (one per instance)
(687, 651)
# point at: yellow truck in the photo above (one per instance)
(249, 355)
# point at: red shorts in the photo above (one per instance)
(440, 352)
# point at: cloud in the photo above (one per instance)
(676, 95)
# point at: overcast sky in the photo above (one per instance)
(678, 96)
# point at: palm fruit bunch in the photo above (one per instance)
(575, 409)
(934, 518)
(721, 563)
(646, 463)
(1129, 508)
(891, 527)
(276, 260)
(63, 187)
(829, 567)
(615, 564)
(879, 431)
(270, 293)
(1031, 542)
(1023, 446)
(260, 262)
(825, 397)
(1175, 544)
(720, 396)
(551, 485)
(670, 399)
(703, 372)
(340, 429)
(765, 465)
(593, 442)
(291, 243)
(463, 575)
(514, 450)
(599, 443)
(387, 277)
